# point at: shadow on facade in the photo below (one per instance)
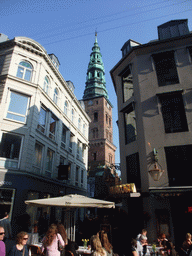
(29, 160)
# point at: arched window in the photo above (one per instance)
(66, 107)
(79, 123)
(110, 122)
(96, 117)
(46, 84)
(72, 115)
(95, 133)
(84, 129)
(56, 95)
(24, 70)
(106, 118)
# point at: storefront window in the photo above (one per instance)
(10, 149)
(6, 200)
(32, 211)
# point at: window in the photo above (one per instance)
(133, 170)
(62, 160)
(25, 70)
(110, 158)
(55, 96)
(71, 143)
(49, 163)
(52, 127)
(95, 117)
(83, 151)
(78, 149)
(109, 122)
(173, 112)
(72, 115)
(130, 124)
(79, 123)
(84, 129)
(46, 84)
(95, 133)
(107, 134)
(179, 165)
(42, 119)
(95, 156)
(77, 176)
(66, 108)
(106, 118)
(69, 170)
(166, 68)
(10, 146)
(63, 136)
(82, 178)
(38, 154)
(18, 106)
(127, 84)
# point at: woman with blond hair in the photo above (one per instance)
(96, 247)
(105, 243)
(51, 242)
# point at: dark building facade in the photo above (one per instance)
(153, 83)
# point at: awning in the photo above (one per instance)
(72, 201)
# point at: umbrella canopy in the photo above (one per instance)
(72, 201)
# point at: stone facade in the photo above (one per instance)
(42, 126)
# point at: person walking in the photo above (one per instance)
(2, 244)
(51, 242)
(5, 223)
(20, 249)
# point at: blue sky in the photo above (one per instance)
(67, 29)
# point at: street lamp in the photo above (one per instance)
(156, 172)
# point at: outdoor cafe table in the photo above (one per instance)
(83, 251)
(150, 249)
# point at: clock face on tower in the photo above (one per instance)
(90, 103)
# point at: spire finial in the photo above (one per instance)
(96, 36)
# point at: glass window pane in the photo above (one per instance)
(10, 146)
(38, 154)
(25, 64)
(28, 75)
(49, 160)
(52, 125)
(18, 103)
(20, 72)
(42, 117)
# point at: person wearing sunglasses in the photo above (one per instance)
(20, 249)
(2, 244)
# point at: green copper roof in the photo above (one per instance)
(95, 81)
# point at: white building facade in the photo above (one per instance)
(42, 126)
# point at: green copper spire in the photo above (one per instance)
(95, 82)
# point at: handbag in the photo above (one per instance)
(60, 247)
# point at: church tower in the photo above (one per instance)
(99, 109)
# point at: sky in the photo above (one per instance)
(67, 29)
